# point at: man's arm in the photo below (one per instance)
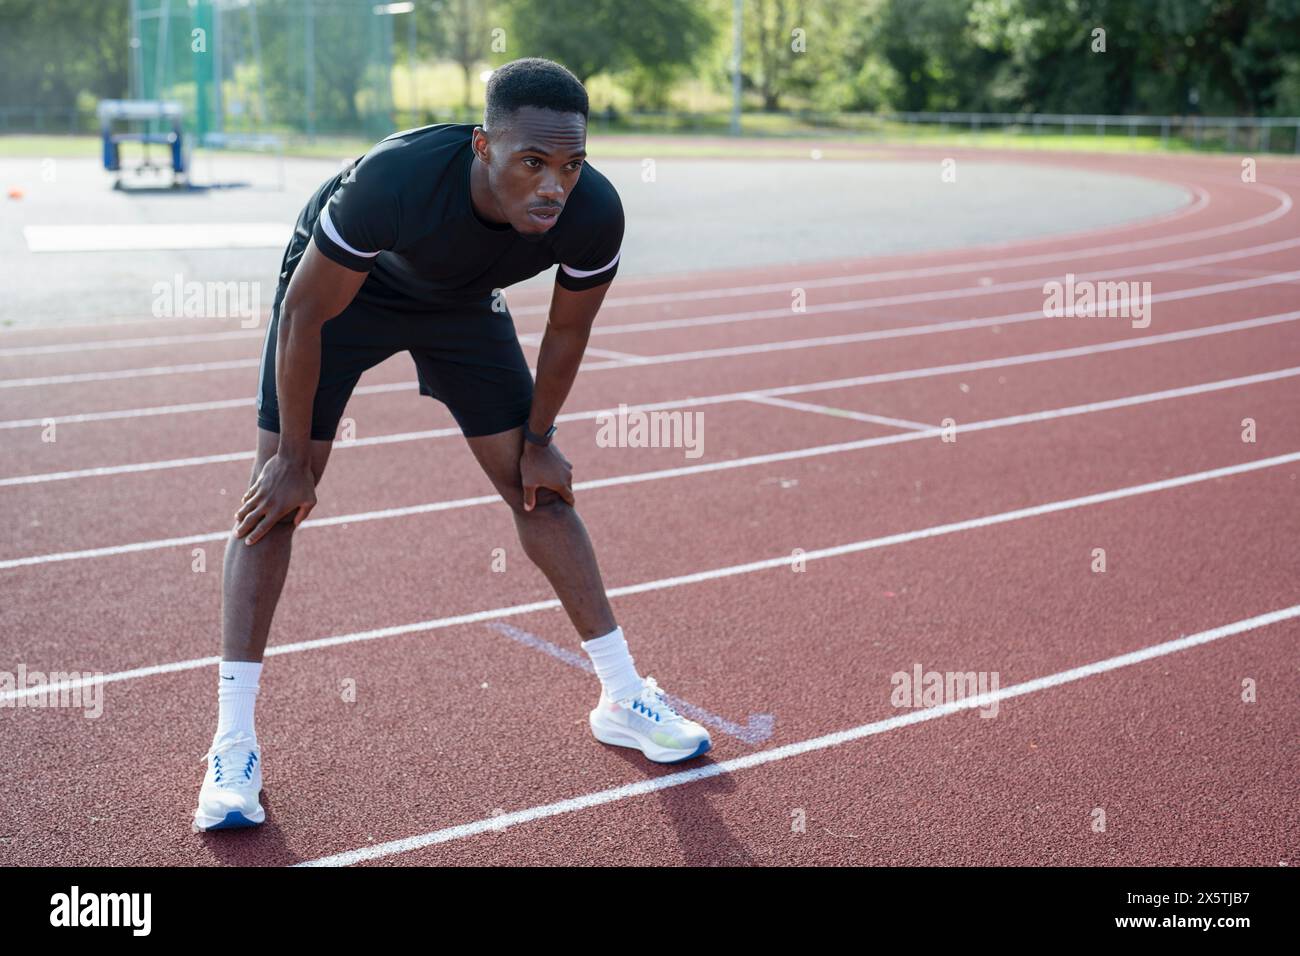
(563, 344)
(319, 290)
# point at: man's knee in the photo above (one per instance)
(268, 444)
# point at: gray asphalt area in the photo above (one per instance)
(692, 215)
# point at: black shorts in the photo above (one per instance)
(466, 356)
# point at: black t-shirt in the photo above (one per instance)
(403, 214)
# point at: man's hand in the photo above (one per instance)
(544, 467)
(282, 486)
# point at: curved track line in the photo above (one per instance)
(1284, 206)
(853, 306)
(784, 312)
(1202, 202)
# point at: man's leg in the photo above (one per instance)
(254, 575)
(478, 370)
(250, 589)
(632, 712)
(553, 536)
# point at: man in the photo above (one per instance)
(408, 249)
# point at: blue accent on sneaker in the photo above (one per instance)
(704, 747)
(248, 768)
(233, 819)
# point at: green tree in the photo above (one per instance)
(652, 42)
(466, 34)
(841, 66)
(54, 51)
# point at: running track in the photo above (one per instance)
(467, 742)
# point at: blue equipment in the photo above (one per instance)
(162, 124)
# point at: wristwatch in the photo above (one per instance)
(537, 439)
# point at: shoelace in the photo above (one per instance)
(653, 702)
(233, 760)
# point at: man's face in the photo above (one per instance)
(533, 164)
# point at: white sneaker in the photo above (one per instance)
(231, 786)
(647, 722)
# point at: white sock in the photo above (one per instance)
(236, 694)
(613, 665)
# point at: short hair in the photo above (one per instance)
(532, 81)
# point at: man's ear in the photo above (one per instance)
(485, 153)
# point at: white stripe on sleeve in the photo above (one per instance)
(579, 274)
(328, 225)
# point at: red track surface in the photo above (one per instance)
(474, 748)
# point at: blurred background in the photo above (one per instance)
(1185, 74)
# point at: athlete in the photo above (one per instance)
(409, 249)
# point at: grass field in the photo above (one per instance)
(628, 140)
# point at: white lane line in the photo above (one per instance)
(127, 373)
(452, 431)
(1225, 271)
(827, 410)
(152, 411)
(1284, 206)
(749, 394)
(674, 357)
(626, 357)
(704, 468)
(96, 345)
(914, 298)
(104, 471)
(853, 338)
(811, 745)
(147, 236)
(119, 414)
(713, 574)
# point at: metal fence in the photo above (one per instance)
(41, 119)
(1210, 133)
(1266, 134)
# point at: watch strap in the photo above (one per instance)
(537, 439)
